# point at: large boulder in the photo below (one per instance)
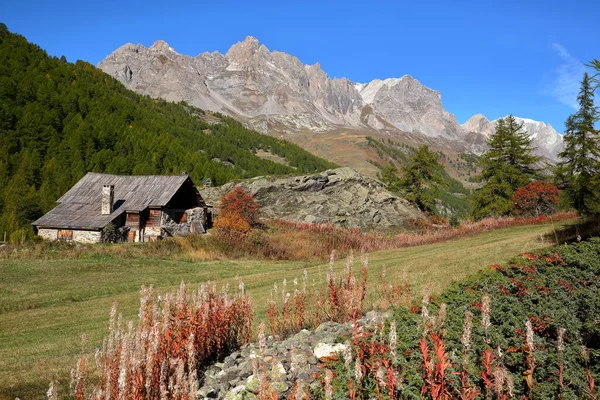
(339, 196)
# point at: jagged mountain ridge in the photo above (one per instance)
(274, 92)
(249, 82)
(544, 137)
(271, 88)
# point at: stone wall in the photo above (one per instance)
(87, 236)
(194, 222)
(48, 234)
(80, 236)
(152, 233)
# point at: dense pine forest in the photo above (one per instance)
(59, 120)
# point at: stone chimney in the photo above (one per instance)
(108, 197)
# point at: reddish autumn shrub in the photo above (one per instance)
(536, 198)
(232, 226)
(242, 203)
(238, 214)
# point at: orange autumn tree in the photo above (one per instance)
(239, 213)
(536, 198)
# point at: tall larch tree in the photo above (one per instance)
(578, 174)
(421, 179)
(507, 165)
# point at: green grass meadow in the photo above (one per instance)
(47, 305)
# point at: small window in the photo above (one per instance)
(65, 234)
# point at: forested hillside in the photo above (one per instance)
(59, 120)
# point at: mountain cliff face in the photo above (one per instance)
(271, 90)
(544, 137)
(409, 106)
(274, 92)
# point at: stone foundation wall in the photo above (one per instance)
(87, 236)
(78, 235)
(48, 234)
(151, 233)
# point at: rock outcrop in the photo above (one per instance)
(341, 196)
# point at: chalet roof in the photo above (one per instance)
(80, 207)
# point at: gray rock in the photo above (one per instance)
(239, 393)
(227, 375)
(245, 369)
(207, 392)
(238, 382)
(306, 377)
(347, 199)
(229, 362)
(303, 334)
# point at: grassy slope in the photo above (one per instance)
(45, 305)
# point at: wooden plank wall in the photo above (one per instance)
(154, 218)
(133, 220)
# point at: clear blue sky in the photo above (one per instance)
(490, 57)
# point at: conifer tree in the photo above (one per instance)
(578, 174)
(389, 177)
(507, 165)
(422, 178)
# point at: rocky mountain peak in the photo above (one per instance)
(251, 41)
(242, 52)
(480, 124)
(369, 91)
(161, 45)
(314, 67)
(409, 106)
(543, 136)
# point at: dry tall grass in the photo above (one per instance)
(277, 239)
(175, 337)
(305, 240)
(340, 299)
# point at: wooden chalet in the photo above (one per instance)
(140, 208)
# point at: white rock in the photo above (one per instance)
(323, 350)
